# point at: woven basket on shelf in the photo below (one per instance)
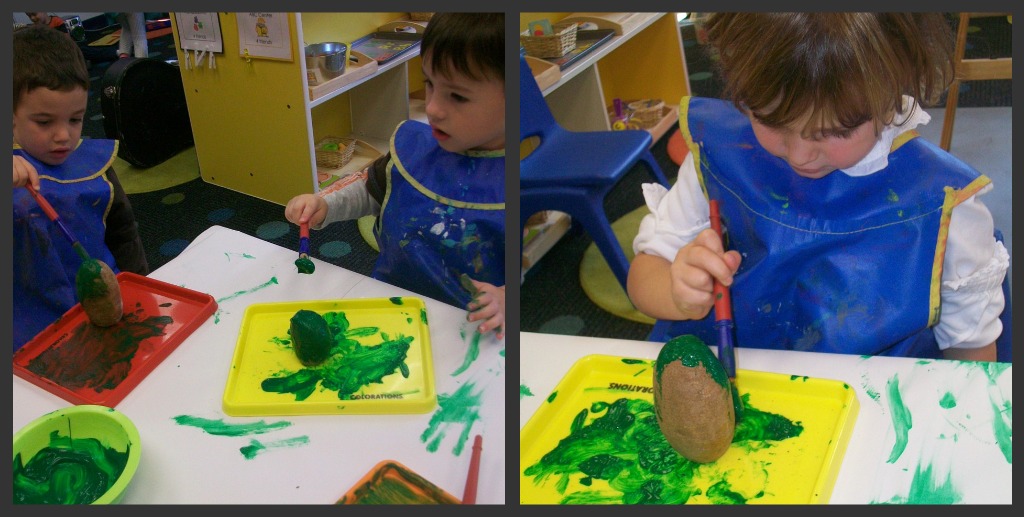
(333, 152)
(558, 44)
(420, 17)
(646, 113)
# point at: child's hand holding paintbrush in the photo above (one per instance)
(95, 284)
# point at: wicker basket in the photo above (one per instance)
(333, 152)
(558, 44)
(420, 17)
(646, 113)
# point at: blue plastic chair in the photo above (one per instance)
(1004, 347)
(573, 171)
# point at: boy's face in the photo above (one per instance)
(465, 114)
(48, 123)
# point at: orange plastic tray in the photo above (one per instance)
(581, 462)
(390, 482)
(86, 364)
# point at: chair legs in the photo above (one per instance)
(585, 208)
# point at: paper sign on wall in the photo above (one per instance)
(199, 31)
(265, 35)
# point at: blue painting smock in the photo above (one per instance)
(443, 215)
(45, 262)
(838, 264)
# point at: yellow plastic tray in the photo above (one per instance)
(801, 469)
(264, 351)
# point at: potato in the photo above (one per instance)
(311, 337)
(693, 400)
(99, 293)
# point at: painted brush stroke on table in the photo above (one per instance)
(914, 470)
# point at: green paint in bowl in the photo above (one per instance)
(85, 454)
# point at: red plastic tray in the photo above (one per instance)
(86, 364)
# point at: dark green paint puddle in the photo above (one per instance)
(67, 471)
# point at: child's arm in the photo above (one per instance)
(985, 353)
(488, 305)
(25, 173)
(681, 289)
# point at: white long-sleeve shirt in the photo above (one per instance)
(973, 268)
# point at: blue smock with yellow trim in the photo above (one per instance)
(45, 263)
(443, 215)
(838, 264)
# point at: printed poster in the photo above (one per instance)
(265, 35)
(199, 31)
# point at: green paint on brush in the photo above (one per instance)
(255, 447)
(459, 408)
(691, 352)
(304, 265)
(524, 391)
(626, 448)
(901, 419)
(67, 471)
(221, 428)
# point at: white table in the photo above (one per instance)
(183, 464)
(959, 443)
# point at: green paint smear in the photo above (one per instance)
(893, 197)
(552, 396)
(901, 419)
(236, 294)
(397, 300)
(948, 401)
(255, 447)
(524, 391)
(350, 365)
(67, 471)
(221, 428)
(925, 489)
(89, 282)
(472, 353)
(625, 448)
(459, 408)
(1002, 421)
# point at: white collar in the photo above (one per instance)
(878, 158)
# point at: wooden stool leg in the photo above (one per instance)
(954, 88)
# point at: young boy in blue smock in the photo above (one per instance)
(847, 232)
(439, 191)
(51, 89)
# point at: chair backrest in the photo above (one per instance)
(535, 118)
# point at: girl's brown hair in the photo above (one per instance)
(841, 68)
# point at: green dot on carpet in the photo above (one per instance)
(597, 279)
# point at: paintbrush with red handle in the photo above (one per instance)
(52, 214)
(723, 319)
(469, 494)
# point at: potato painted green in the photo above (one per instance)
(311, 338)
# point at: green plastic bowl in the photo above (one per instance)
(111, 429)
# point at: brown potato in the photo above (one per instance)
(99, 293)
(693, 400)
